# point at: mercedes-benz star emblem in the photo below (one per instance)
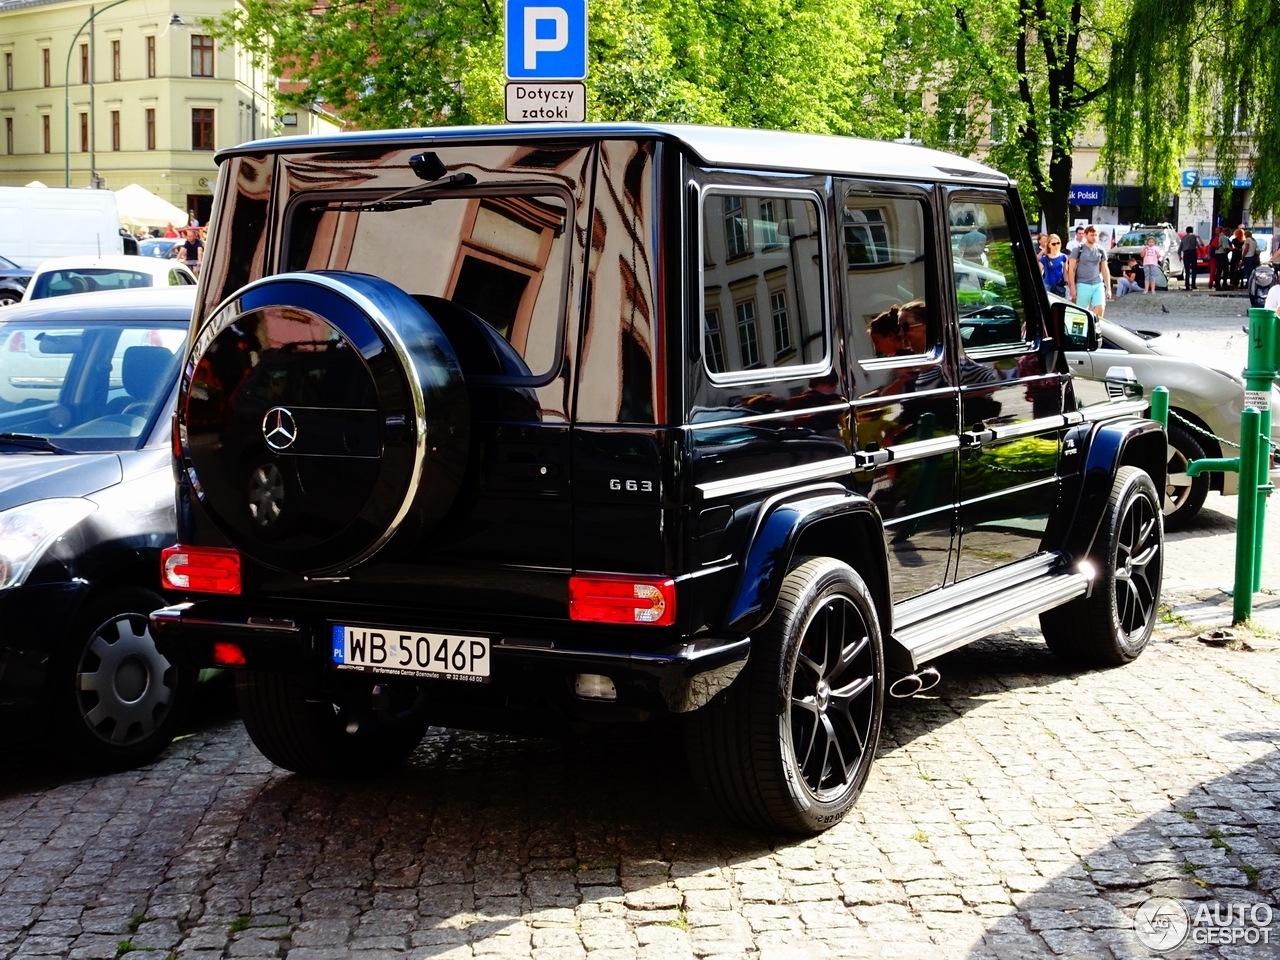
(279, 428)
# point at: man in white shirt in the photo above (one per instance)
(1273, 299)
(1077, 242)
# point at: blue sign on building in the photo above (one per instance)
(546, 39)
(1086, 193)
(1192, 178)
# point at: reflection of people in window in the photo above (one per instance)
(886, 336)
(913, 328)
(973, 246)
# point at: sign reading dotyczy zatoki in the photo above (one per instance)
(543, 102)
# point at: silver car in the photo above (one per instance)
(1205, 403)
(1131, 244)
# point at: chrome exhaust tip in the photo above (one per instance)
(904, 687)
(929, 678)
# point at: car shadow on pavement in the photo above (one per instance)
(1217, 845)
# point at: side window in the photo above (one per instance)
(989, 299)
(763, 291)
(886, 278)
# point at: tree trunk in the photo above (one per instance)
(1055, 202)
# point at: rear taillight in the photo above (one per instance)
(201, 569)
(18, 342)
(177, 440)
(228, 655)
(622, 600)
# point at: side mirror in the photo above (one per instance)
(1079, 327)
(1123, 382)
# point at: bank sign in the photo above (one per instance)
(546, 48)
(1194, 178)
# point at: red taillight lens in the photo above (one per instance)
(622, 600)
(201, 569)
(228, 655)
(177, 440)
(18, 342)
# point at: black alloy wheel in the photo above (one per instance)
(790, 744)
(832, 698)
(1112, 625)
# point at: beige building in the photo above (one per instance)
(152, 96)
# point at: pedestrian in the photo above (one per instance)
(1150, 264)
(1077, 243)
(1189, 252)
(1248, 256)
(1273, 299)
(1128, 281)
(192, 250)
(1221, 254)
(1053, 265)
(169, 232)
(1088, 281)
(1236, 253)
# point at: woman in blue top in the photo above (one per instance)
(1053, 265)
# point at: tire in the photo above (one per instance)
(753, 750)
(118, 701)
(298, 727)
(1112, 625)
(9, 297)
(1183, 495)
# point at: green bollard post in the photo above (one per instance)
(1246, 522)
(1264, 354)
(1160, 406)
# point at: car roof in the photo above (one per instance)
(110, 262)
(151, 303)
(714, 146)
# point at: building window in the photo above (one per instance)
(781, 325)
(748, 341)
(151, 56)
(201, 56)
(8, 71)
(115, 59)
(8, 135)
(44, 122)
(84, 63)
(768, 224)
(151, 128)
(84, 133)
(715, 345)
(115, 129)
(44, 59)
(735, 227)
(201, 129)
(866, 235)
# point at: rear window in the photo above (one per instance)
(61, 283)
(496, 258)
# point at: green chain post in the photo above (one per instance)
(1258, 376)
(1247, 528)
(1160, 406)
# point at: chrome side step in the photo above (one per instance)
(927, 639)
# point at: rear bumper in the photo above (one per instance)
(677, 678)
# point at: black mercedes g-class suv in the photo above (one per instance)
(604, 422)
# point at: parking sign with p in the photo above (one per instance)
(546, 39)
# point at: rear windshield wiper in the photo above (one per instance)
(29, 441)
(416, 196)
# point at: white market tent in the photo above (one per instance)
(139, 207)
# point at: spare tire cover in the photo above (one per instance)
(318, 412)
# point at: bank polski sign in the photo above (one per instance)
(546, 45)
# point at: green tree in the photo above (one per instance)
(1030, 72)
(787, 64)
(1196, 74)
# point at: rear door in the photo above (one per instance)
(904, 402)
(1010, 394)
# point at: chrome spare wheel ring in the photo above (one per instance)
(124, 686)
(832, 698)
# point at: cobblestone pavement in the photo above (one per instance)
(1023, 811)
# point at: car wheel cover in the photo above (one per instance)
(124, 686)
(832, 700)
(1177, 490)
(1137, 562)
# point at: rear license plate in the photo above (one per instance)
(401, 652)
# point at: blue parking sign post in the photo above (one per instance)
(546, 39)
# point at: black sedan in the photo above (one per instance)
(13, 282)
(87, 388)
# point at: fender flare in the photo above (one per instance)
(1107, 447)
(780, 523)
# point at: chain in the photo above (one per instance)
(1201, 430)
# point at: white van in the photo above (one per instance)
(37, 223)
